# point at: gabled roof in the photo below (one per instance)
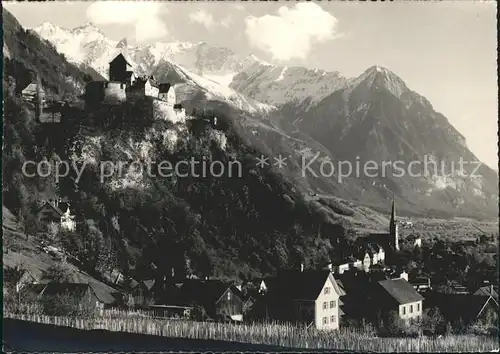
(305, 285)
(460, 306)
(400, 290)
(486, 291)
(141, 82)
(76, 290)
(149, 283)
(203, 292)
(30, 292)
(28, 273)
(54, 207)
(164, 87)
(31, 89)
(125, 57)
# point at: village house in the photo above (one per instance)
(81, 295)
(50, 212)
(366, 260)
(420, 282)
(464, 309)
(141, 295)
(28, 277)
(68, 221)
(349, 262)
(415, 240)
(167, 93)
(144, 86)
(487, 290)
(221, 301)
(170, 311)
(307, 296)
(29, 93)
(398, 295)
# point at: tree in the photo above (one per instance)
(57, 273)
(434, 321)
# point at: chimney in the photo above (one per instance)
(301, 267)
(491, 289)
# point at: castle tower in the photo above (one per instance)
(393, 227)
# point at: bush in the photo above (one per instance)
(57, 273)
(64, 305)
(198, 313)
(433, 322)
(394, 326)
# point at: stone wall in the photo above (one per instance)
(164, 110)
(114, 92)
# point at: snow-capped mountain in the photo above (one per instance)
(264, 82)
(191, 85)
(377, 118)
(278, 85)
(372, 117)
(88, 45)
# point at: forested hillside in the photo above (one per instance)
(26, 55)
(243, 225)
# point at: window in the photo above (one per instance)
(332, 304)
(404, 310)
(418, 307)
(327, 290)
(333, 319)
(325, 320)
(325, 305)
(229, 295)
(411, 308)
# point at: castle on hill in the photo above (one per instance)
(124, 85)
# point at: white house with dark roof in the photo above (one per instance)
(400, 296)
(307, 296)
(167, 93)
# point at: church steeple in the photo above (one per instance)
(393, 227)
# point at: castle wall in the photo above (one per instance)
(168, 96)
(150, 90)
(164, 110)
(114, 92)
(94, 93)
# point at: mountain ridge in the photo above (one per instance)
(371, 116)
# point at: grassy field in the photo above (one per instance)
(272, 334)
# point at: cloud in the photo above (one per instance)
(144, 16)
(226, 22)
(239, 7)
(292, 31)
(202, 17)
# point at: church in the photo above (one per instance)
(390, 241)
(376, 244)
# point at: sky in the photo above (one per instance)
(446, 51)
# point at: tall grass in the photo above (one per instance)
(270, 334)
